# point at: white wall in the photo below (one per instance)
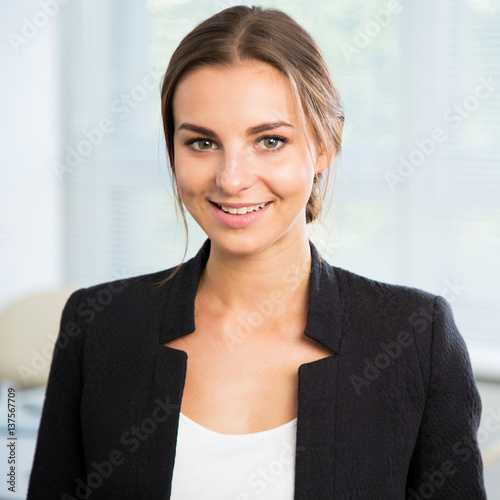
(30, 193)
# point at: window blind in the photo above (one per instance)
(416, 198)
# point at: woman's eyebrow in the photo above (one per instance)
(197, 129)
(267, 126)
(251, 131)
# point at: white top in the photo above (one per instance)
(213, 466)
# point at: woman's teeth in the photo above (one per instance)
(242, 210)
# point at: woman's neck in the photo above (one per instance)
(274, 281)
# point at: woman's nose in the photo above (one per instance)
(235, 172)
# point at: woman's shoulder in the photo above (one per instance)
(427, 318)
(133, 286)
(357, 288)
(119, 301)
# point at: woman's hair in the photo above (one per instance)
(244, 33)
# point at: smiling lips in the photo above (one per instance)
(241, 210)
(239, 215)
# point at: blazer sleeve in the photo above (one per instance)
(59, 459)
(446, 461)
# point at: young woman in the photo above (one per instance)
(256, 369)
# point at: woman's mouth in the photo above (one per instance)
(242, 210)
(239, 217)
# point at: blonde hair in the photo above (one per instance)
(270, 36)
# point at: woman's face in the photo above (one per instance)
(238, 143)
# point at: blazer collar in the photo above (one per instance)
(323, 317)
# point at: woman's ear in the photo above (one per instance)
(322, 161)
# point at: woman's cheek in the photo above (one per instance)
(187, 178)
(293, 179)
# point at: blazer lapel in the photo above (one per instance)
(314, 466)
(173, 316)
(317, 404)
(314, 459)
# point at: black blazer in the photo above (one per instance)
(393, 414)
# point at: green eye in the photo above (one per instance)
(271, 142)
(200, 144)
(205, 144)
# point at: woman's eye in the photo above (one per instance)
(201, 144)
(272, 142)
(268, 143)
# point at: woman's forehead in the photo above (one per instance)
(250, 90)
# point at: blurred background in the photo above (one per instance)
(85, 194)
